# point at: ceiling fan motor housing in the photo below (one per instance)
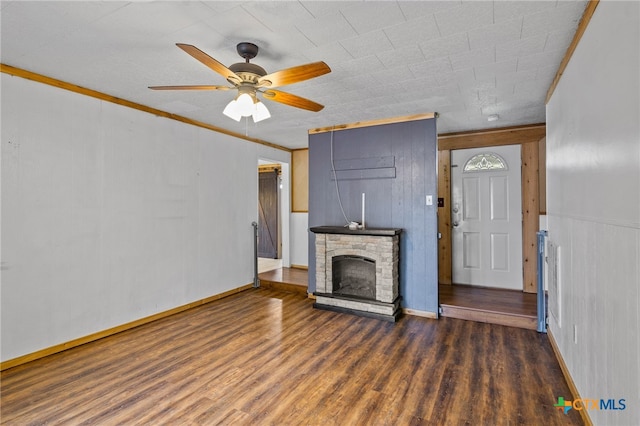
(248, 72)
(245, 70)
(247, 50)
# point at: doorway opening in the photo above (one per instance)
(486, 215)
(514, 306)
(273, 207)
(486, 212)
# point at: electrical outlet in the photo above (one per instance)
(429, 200)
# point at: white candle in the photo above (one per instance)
(363, 210)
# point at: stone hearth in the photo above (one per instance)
(360, 292)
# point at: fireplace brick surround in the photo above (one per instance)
(379, 245)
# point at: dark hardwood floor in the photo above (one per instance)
(263, 357)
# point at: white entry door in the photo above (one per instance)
(486, 213)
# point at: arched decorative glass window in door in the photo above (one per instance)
(487, 161)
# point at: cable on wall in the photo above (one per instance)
(335, 179)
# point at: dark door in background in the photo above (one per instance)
(268, 214)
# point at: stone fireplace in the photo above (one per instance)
(357, 271)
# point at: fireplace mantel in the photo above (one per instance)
(383, 232)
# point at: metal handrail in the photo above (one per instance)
(256, 280)
(542, 300)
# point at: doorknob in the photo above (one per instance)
(455, 224)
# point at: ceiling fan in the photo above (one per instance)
(249, 79)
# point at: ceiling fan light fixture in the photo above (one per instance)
(242, 106)
(232, 111)
(261, 112)
(246, 105)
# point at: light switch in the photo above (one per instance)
(429, 200)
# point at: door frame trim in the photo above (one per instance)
(525, 136)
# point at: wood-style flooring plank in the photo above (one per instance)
(266, 357)
(489, 299)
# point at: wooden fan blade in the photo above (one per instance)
(210, 62)
(291, 100)
(190, 87)
(294, 75)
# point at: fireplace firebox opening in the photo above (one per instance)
(354, 276)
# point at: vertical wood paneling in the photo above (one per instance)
(530, 214)
(431, 212)
(444, 217)
(319, 172)
(402, 213)
(300, 180)
(390, 202)
(542, 175)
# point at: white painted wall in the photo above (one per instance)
(593, 187)
(110, 214)
(300, 239)
(285, 207)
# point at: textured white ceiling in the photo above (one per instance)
(464, 60)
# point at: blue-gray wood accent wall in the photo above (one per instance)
(395, 165)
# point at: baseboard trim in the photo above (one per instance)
(306, 268)
(417, 313)
(114, 330)
(567, 376)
